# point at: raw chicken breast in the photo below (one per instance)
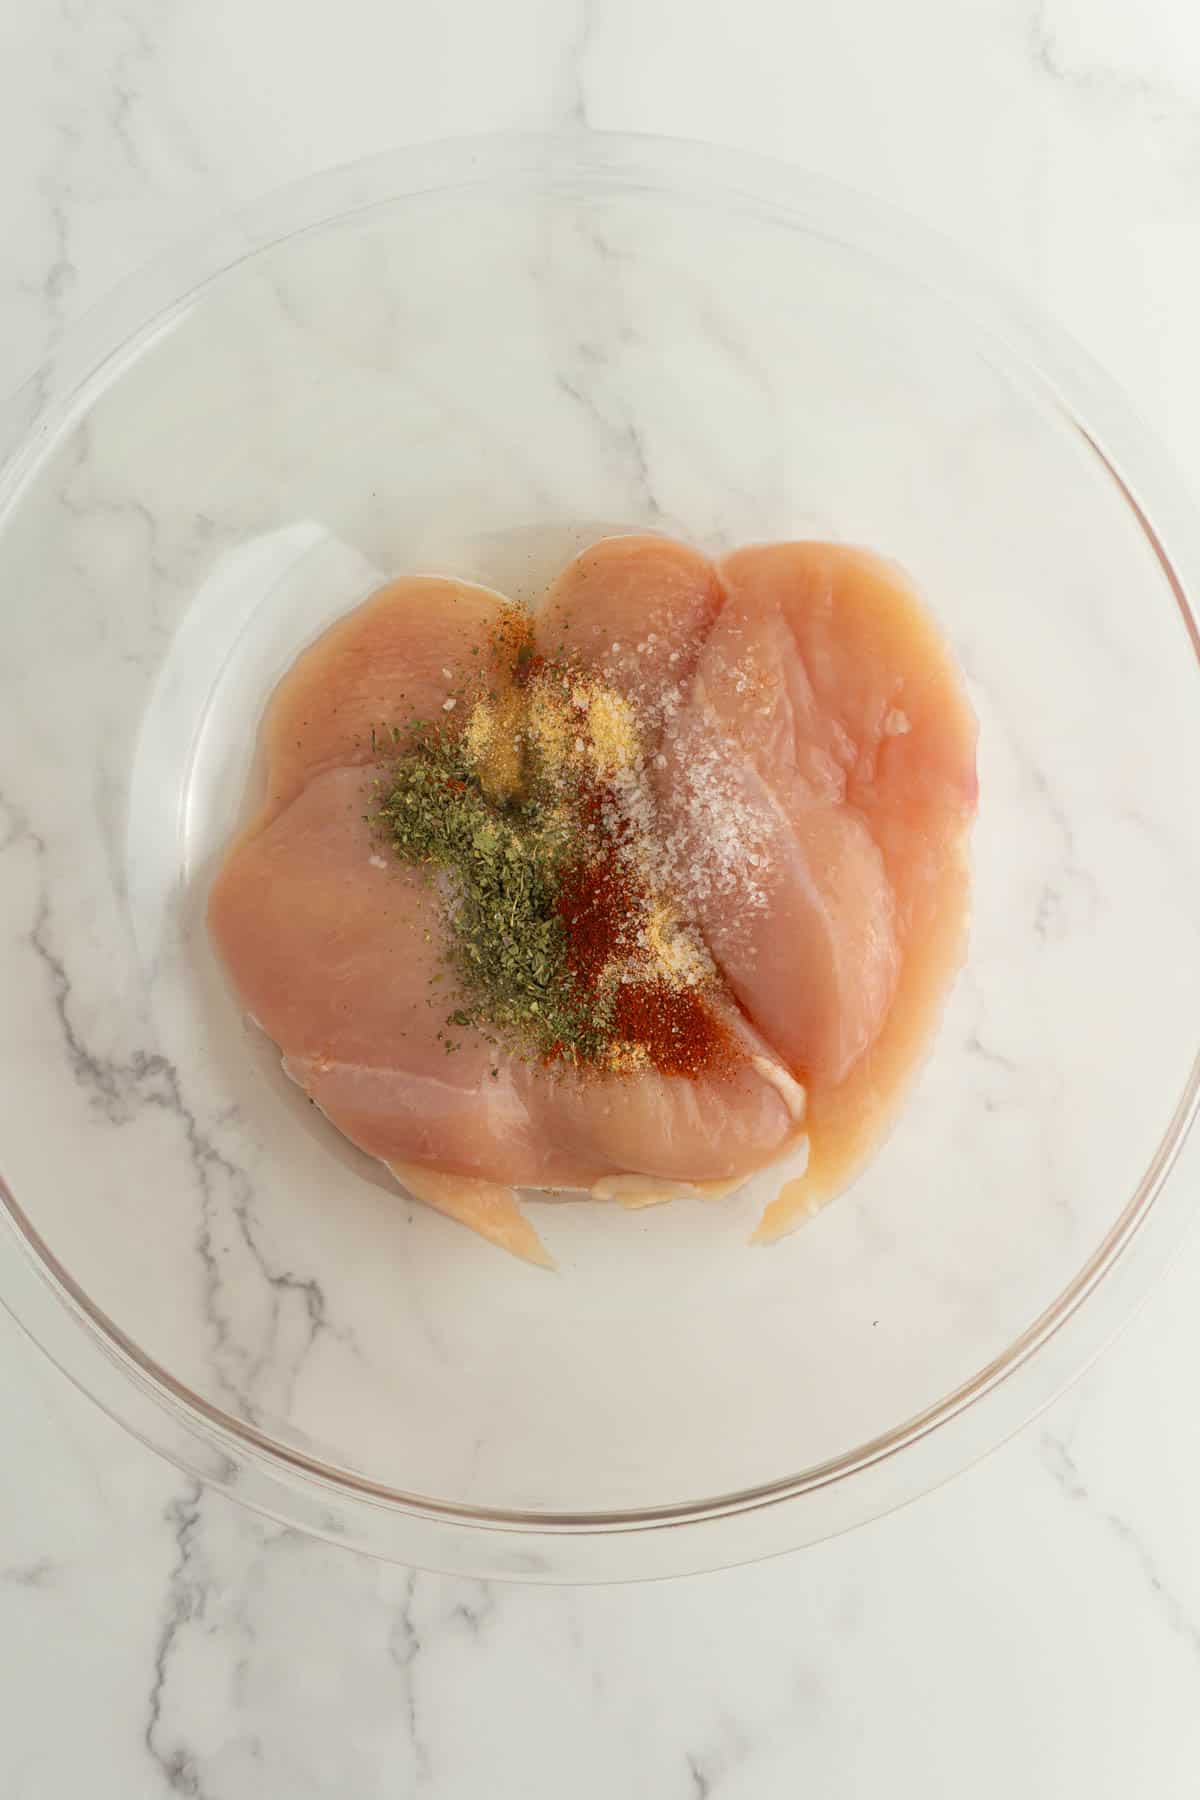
(335, 948)
(812, 758)
(783, 878)
(400, 656)
(637, 610)
(828, 721)
(672, 1128)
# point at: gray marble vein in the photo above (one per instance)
(1061, 1465)
(122, 1090)
(185, 1602)
(575, 64)
(404, 1649)
(1103, 83)
(38, 1574)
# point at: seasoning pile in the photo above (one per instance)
(530, 801)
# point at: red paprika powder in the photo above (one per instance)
(602, 909)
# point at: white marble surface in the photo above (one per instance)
(1035, 1627)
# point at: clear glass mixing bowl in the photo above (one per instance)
(475, 358)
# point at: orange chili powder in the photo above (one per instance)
(675, 1026)
(599, 905)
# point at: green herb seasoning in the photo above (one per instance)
(508, 947)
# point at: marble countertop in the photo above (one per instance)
(1032, 1629)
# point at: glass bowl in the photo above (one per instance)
(476, 358)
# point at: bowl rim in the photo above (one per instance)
(915, 1455)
